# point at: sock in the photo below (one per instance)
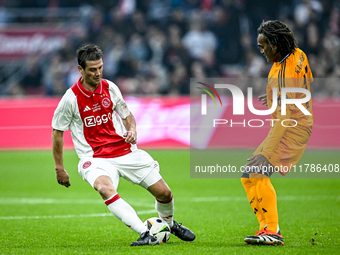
(165, 210)
(124, 212)
(253, 201)
(268, 202)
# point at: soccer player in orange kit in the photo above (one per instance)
(284, 144)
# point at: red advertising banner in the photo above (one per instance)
(162, 122)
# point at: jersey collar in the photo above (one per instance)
(284, 58)
(87, 93)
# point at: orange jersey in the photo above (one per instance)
(293, 71)
(279, 146)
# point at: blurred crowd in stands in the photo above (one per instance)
(154, 47)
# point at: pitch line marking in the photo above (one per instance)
(34, 201)
(196, 199)
(145, 203)
(68, 216)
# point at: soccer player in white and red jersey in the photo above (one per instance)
(106, 146)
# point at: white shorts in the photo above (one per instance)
(138, 167)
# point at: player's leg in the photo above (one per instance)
(285, 157)
(118, 206)
(105, 179)
(268, 205)
(267, 200)
(123, 211)
(252, 195)
(164, 204)
(250, 189)
(164, 201)
(140, 168)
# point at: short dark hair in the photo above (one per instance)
(277, 33)
(88, 52)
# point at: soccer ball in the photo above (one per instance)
(159, 228)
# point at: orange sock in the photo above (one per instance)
(253, 201)
(267, 202)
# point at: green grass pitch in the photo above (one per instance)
(38, 216)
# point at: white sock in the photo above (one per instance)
(125, 213)
(165, 210)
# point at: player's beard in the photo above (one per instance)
(267, 59)
(97, 81)
(266, 56)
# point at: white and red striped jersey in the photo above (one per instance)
(96, 129)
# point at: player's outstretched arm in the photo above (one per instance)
(57, 147)
(130, 125)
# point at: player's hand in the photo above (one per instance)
(263, 98)
(257, 161)
(130, 137)
(62, 177)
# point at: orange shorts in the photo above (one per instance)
(288, 152)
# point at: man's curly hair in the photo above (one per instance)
(277, 33)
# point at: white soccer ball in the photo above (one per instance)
(159, 228)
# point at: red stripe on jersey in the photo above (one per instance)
(112, 199)
(165, 202)
(96, 112)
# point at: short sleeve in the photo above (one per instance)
(121, 107)
(63, 115)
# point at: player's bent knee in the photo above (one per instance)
(160, 190)
(106, 191)
(165, 195)
(104, 186)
